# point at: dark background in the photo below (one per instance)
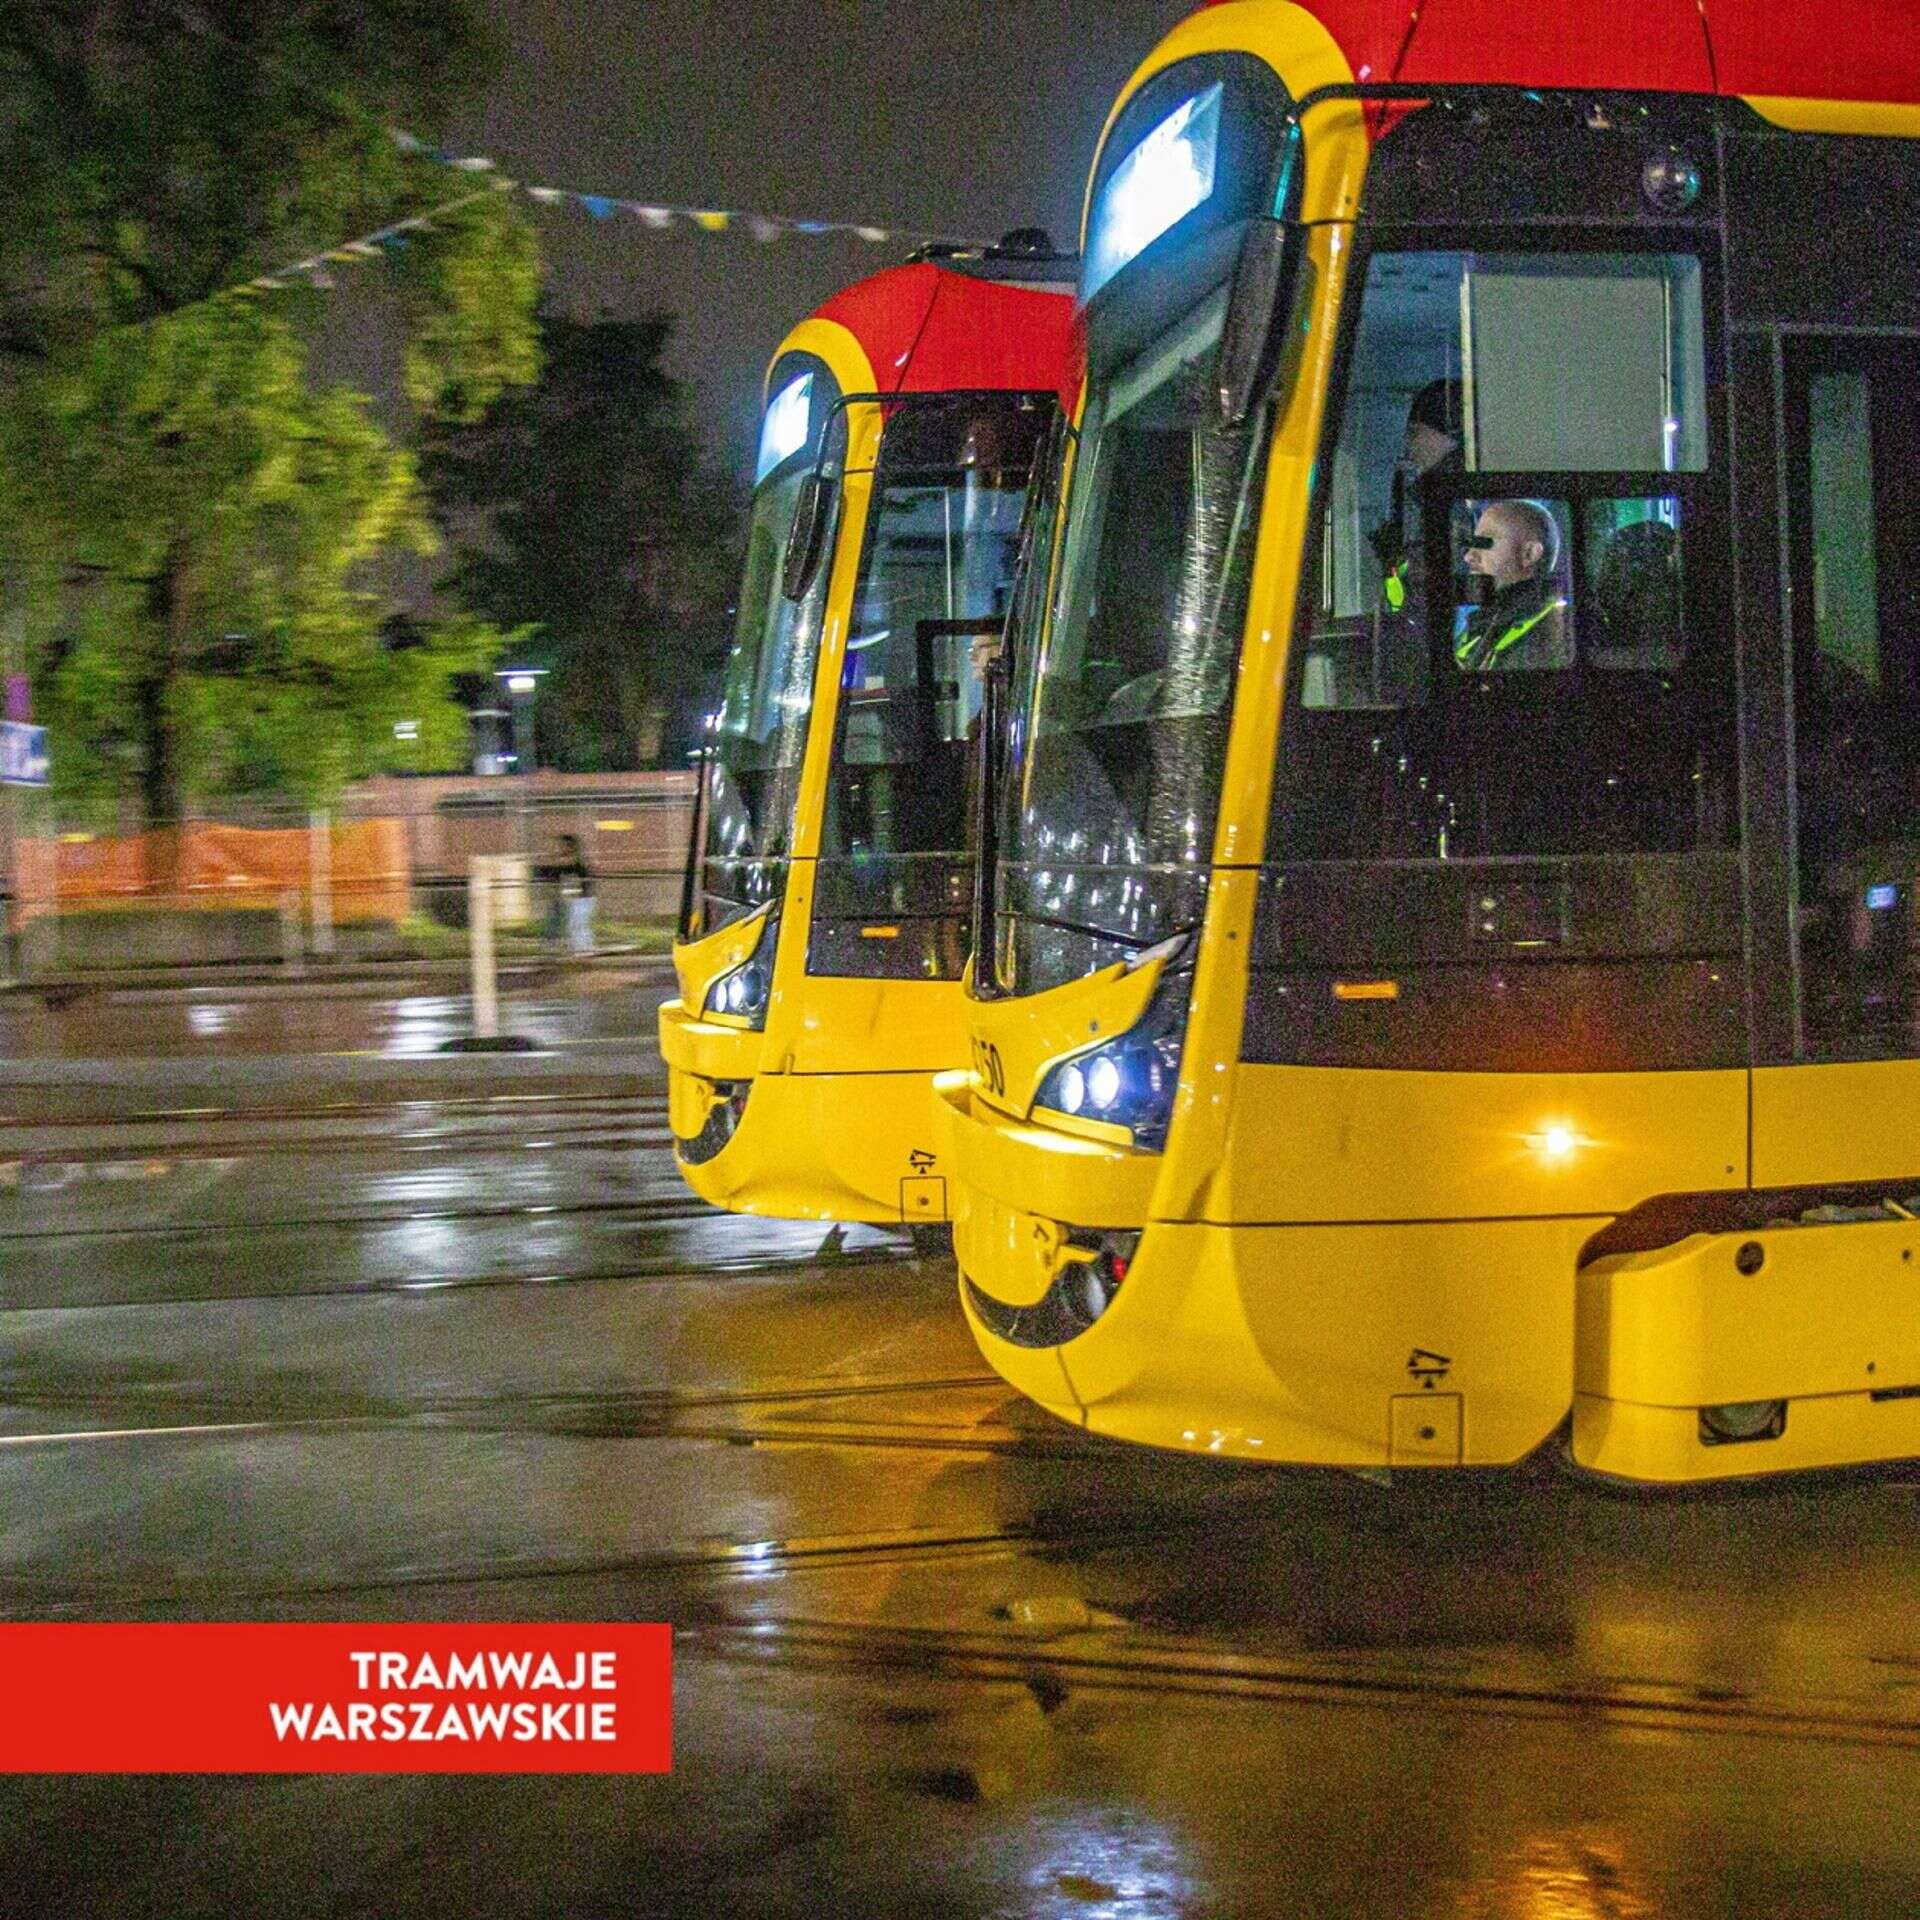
(963, 116)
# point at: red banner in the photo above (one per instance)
(383, 1698)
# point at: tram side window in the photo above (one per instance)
(1854, 412)
(1511, 365)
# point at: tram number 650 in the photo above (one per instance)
(988, 1066)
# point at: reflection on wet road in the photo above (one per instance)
(463, 1357)
(544, 1005)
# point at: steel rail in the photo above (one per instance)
(1158, 1670)
(667, 1210)
(663, 1274)
(491, 1103)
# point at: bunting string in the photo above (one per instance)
(762, 227)
(765, 229)
(314, 270)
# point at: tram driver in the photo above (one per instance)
(1513, 553)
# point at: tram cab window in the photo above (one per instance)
(934, 586)
(1544, 366)
(1633, 585)
(1132, 703)
(1854, 515)
(1499, 654)
(760, 735)
(1512, 586)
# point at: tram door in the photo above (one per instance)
(1852, 558)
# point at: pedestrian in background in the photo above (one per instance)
(573, 884)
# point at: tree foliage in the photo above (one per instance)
(203, 536)
(159, 150)
(583, 506)
(218, 520)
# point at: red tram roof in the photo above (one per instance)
(929, 329)
(1852, 50)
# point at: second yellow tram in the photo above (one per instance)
(832, 889)
(1453, 973)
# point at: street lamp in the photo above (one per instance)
(522, 683)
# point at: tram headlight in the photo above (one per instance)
(742, 992)
(1129, 1081)
(1103, 1082)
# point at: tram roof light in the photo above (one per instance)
(1154, 188)
(784, 431)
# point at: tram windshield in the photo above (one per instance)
(1120, 718)
(760, 733)
(931, 602)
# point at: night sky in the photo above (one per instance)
(969, 116)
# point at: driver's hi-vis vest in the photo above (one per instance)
(1475, 652)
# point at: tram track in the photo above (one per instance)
(674, 1272)
(642, 1136)
(667, 1210)
(1080, 1656)
(1158, 1670)
(22, 1595)
(837, 1416)
(488, 1108)
(495, 1105)
(638, 1413)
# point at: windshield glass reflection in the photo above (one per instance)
(760, 734)
(1120, 719)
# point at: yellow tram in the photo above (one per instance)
(1452, 974)
(831, 891)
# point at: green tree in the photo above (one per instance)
(206, 537)
(224, 517)
(583, 506)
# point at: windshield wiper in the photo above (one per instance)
(1133, 942)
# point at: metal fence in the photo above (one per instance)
(381, 874)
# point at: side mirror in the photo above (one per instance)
(1256, 321)
(807, 538)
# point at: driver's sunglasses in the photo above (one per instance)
(1478, 542)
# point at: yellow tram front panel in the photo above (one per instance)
(1845, 1121)
(1299, 1332)
(842, 1123)
(832, 1146)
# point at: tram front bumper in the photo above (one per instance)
(710, 1074)
(1370, 1345)
(1011, 1255)
(799, 1146)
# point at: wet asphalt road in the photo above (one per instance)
(372, 1336)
